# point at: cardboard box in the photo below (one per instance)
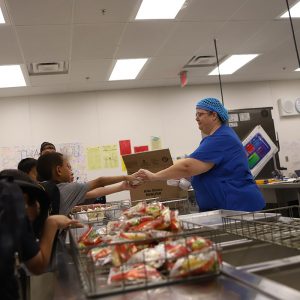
(153, 161)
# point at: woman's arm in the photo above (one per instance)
(182, 168)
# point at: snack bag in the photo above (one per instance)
(196, 263)
(133, 274)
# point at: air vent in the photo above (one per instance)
(198, 61)
(48, 68)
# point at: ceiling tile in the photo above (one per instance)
(256, 10)
(163, 67)
(188, 37)
(95, 41)
(33, 12)
(9, 50)
(209, 10)
(44, 43)
(48, 80)
(143, 39)
(95, 70)
(91, 11)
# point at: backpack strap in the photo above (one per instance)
(53, 195)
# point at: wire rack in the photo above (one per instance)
(99, 213)
(279, 226)
(145, 268)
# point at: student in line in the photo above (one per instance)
(47, 147)
(55, 167)
(28, 166)
(24, 208)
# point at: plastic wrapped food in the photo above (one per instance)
(90, 238)
(122, 252)
(100, 255)
(135, 236)
(153, 257)
(133, 274)
(196, 263)
(137, 210)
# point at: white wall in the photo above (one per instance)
(105, 117)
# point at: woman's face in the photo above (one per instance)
(204, 120)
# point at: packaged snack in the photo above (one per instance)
(135, 236)
(122, 252)
(90, 238)
(153, 257)
(196, 263)
(154, 209)
(137, 210)
(100, 255)
(133, 274)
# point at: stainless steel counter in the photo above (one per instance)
(231, 284)
(280, 193)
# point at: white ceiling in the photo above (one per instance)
(78, 32)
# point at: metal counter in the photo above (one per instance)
(232, 284)
(280, 193)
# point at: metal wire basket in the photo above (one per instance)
(99, 213)
(279, 226)
(153, 264)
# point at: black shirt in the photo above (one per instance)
(28, 248)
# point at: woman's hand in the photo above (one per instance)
(134, 179)
(146, 175)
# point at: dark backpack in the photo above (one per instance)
(12, 218)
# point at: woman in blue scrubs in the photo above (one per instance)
(221, 177)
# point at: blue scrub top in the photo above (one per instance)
(229, 184)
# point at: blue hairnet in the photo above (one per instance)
(213, 104)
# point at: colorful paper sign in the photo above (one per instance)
(138, 149)
(125, 147)
(93, 158)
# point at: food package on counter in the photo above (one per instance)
(100, 255)
(115, 226)
(93, 237)
(123, 251)
(168, 220)
(153, 209)
(154, 257)
(133, 274)
(135, 221)
(196, 263)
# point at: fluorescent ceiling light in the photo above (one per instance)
(295, 11)
(159, 9)
(233, 63)
(297, 70)
(11, 76)
(2, 21)
(127, 68)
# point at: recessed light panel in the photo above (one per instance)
(295, 11)
(126, 69)
(2, 21)
(11, 76)
(233, 63)
(159, 9)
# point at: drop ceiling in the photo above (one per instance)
(90, 35)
